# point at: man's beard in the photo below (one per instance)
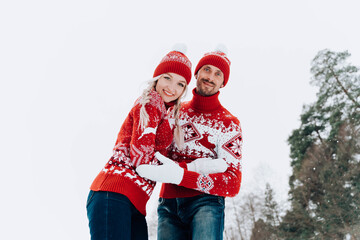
(201, 89)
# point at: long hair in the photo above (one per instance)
(144, 116)
(145, 98)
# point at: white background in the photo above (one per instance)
(71, 70)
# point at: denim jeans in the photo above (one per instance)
(199, 217)
(112, 216)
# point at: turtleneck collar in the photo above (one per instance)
(169, 104)
(205, 104)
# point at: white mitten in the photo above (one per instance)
(168, 172)
(207, 165)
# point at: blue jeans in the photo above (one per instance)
(199, 217)
(112, 216)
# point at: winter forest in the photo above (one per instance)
(71, 71)
(324, 196)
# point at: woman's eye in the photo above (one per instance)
(168, 78)
(181, 85)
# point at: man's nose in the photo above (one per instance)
(211, 77)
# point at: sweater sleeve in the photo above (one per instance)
(225, 184)
(142, 144)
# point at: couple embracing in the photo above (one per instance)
(192, 148)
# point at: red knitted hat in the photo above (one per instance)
(218, 59)
(175, 62)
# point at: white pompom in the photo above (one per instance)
(222, 48)
(180, 47)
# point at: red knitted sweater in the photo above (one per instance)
(134, 147)
(211, 131)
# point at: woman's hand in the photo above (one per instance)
(168, 172)
(171, 172)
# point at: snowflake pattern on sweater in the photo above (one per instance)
(133, 147)
(211, 131)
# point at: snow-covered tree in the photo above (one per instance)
(325, 184)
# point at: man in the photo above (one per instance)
(191, 205)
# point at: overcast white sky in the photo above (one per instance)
(71, 70)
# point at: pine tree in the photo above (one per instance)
(271, 209)
(324, 186)
(266, 226)
(261, 231)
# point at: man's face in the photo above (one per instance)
(209, 80)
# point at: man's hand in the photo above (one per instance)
(207, 166)
(168, 172)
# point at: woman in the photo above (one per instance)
(116, 205)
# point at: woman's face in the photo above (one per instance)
(170, 86)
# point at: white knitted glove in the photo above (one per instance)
(207, 165)
(168, 172)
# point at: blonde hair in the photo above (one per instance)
(144, 116)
